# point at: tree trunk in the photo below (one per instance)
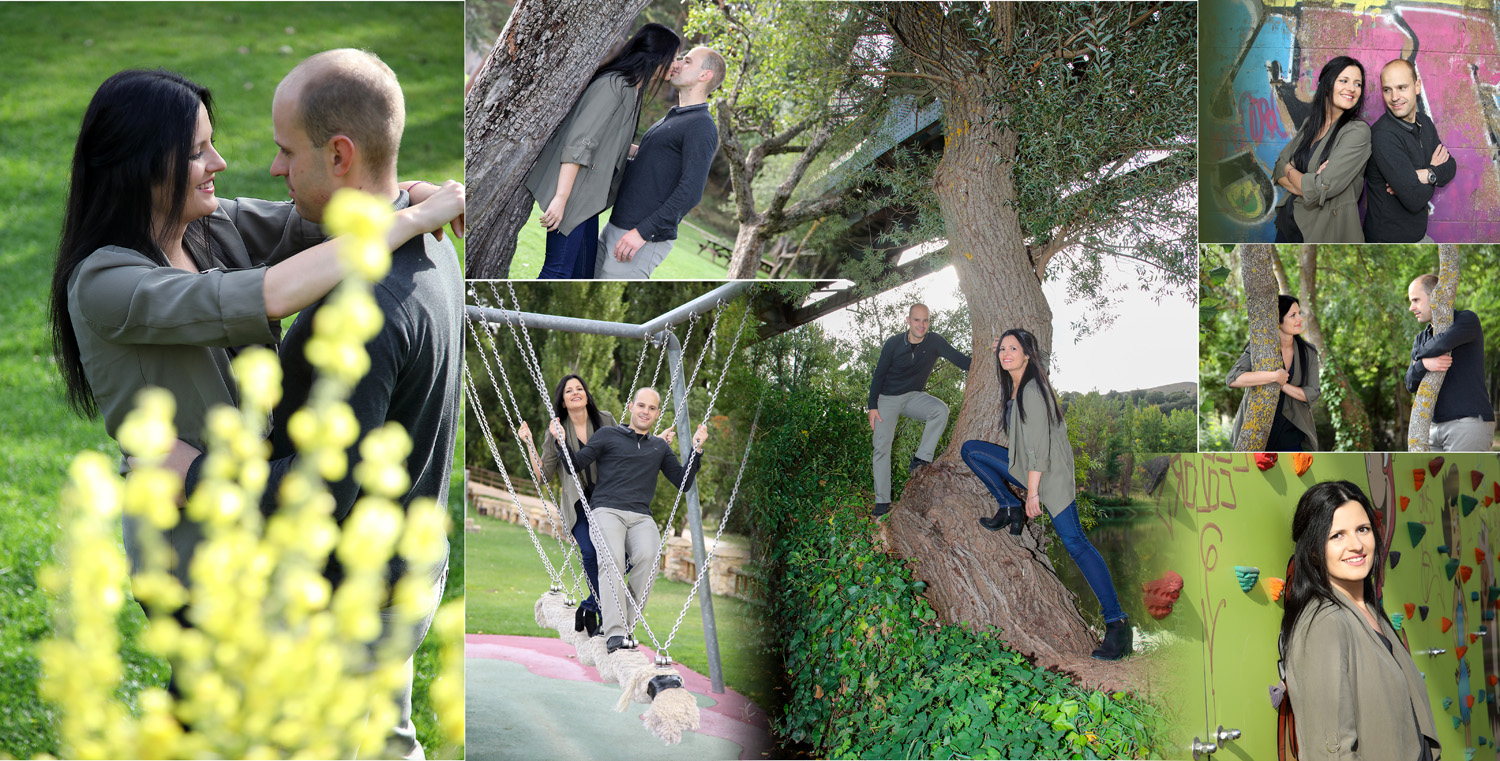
(1257, 266)
(977, 576)
(540, 66)
(1353, 416)
(1418, 431)
(744, 264)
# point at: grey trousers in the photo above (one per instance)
(402, 742)
(917, 405)
(640, 267)
(624, 533)
(1466, 434)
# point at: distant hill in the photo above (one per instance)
(1170, 397)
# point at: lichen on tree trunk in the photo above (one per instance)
(1257, 269)
(1419, 429)
(540, 65)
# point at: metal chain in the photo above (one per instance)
(484, 425)
(674, 371)
(723, 521)
(694, 453)
(529, 356)
(579, 578)
(641, 360)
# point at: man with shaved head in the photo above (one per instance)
(629, 458)
(906, 360)
(1463, 420)
(1408, 161)
(666, 175)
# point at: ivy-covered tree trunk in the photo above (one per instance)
(1351, 423)
(1418, 431)
(974, 575)
(540, 65)
(1257, 269)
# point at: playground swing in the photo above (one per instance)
(673, 710)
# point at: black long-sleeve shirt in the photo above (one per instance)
(1464, 393)
(903, 366)
(665, 179)
(1397, 150)
(628, 464)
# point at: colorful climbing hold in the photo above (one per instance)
(1301, 461)
(1442, 549)
(1411, 610)
(1473, 637)
(1475, 479)
(1450, 568)
(1395, 558)
(1446, 624)
(1417, 531)
(1456, 722)
(1247, 576)
(1417, 476)
(1488, 500)
(1423, 610)
(1468, 754)
(1479, 555)
(1466, 572)
(1469, 700)
(1447, 703)
(1468, 503)
(1161, 594)
(1474, 596)
(1278, 692)
(1461, 651)
(1493, 680)
(1274, 587)
(1265, 460)
(1396, 619)
(1404, 502)
(1434, 465)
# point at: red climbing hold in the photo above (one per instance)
(1460, 651)
(1161, 594)
(1411, 610)
(1417, 476)
(1265, 460)
(1434, 465)
(1404, 502)
(1479, 555)
(1476, 478)
(1446, 624)
(1473, 637)
(1465, 572)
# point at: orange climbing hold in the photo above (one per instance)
(1479, 555)
(1446, 624)
(1404, 502)
(1469, 699)
(1417, 476)
(1301, 461)
(1494, 680)
(1411, 610)
(1460, 651)
(1275, 587)
(1473, 637)
(1465, 572)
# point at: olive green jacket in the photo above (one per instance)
(1295, 410)
(1328, 209)
(552, 463)
(596, 135)
(1352, 699)
(1038, 444)
(139, 324)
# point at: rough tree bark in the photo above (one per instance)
(1352, 412)
(1419, 429)
(540, 65)
(974, 575)
(1257, 265)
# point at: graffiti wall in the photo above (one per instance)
(1231, 537)
(1259, 64)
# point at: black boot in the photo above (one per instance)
(1017, 520)
(881, 508)
(1001, 520)
(916, 462)
(1118, 638)
(615, 643)
(586, 619)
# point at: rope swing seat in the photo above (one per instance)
(651, 681)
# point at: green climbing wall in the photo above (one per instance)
(1222, 511)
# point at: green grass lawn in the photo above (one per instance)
(684, 263)
(506, 577)
(58, 53)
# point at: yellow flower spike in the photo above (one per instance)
(332, 464)
(303, 429)
(147, 431)
(425, 541)
(382, 478)
(370, 533)
(163, 637)
(353, 316)
(94, 485)
(340, 425)
(148, 490)
(388, 443)
(413, 597)
(258, 374)
(308, 591)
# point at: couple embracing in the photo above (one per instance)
(590, 165)
(158, 283)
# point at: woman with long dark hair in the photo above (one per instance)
(579, 171)
(1352, 686)
(1292, 427)
(1039, 464)
(1322, 167)
(572, 401)
(156, 278)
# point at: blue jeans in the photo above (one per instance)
(571, 256)
(991, 462)
(586, 554)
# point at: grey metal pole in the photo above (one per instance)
(695, 519)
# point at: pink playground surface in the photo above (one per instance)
(732, 717)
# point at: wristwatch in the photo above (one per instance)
(1431, 175)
